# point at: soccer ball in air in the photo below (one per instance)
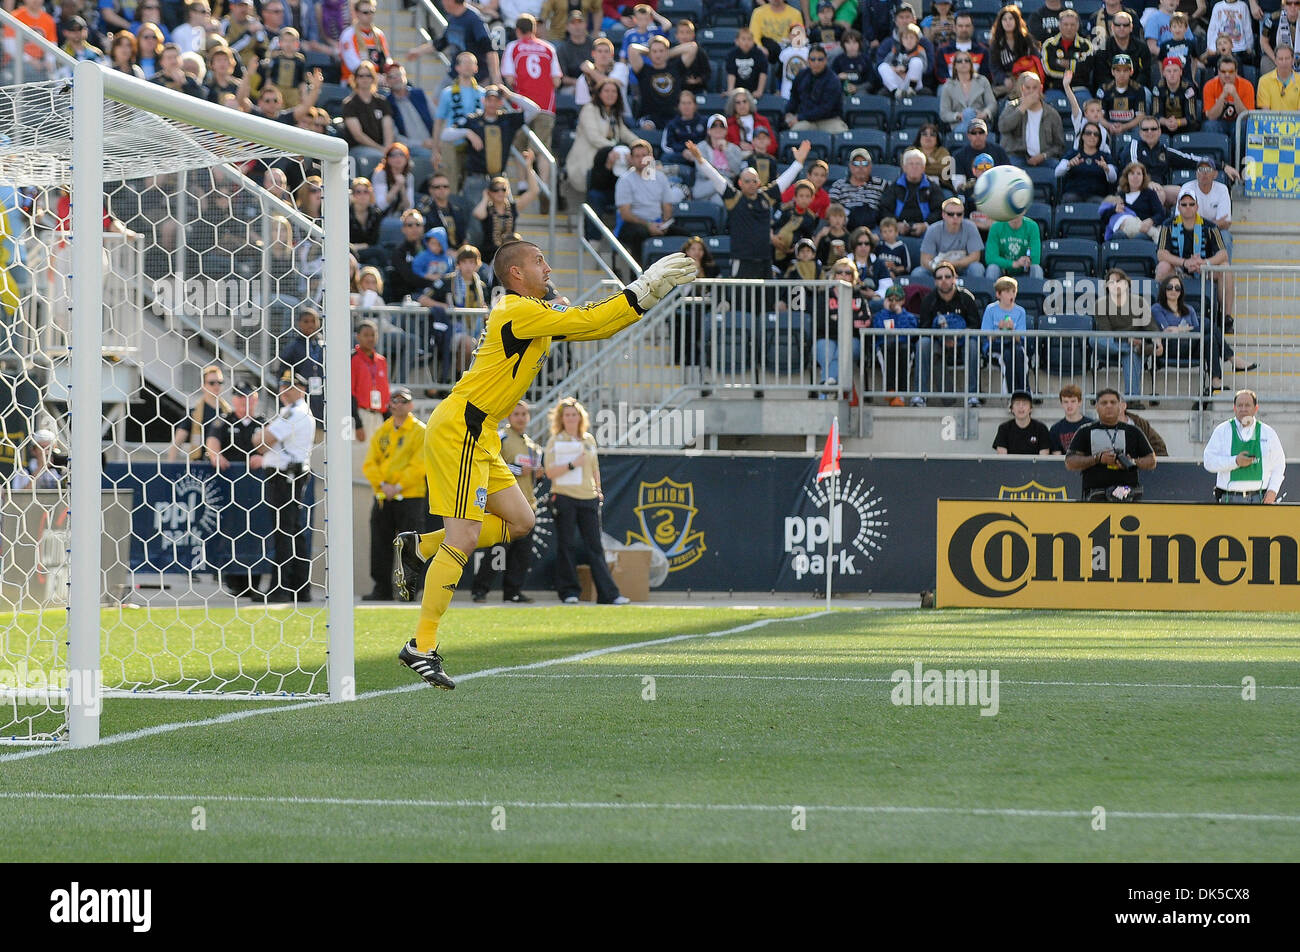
(1003, 192)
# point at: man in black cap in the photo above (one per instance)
(233, 451)
(1022, 435)
(1123, 101)
(286, 442)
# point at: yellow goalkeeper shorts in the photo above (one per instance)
(462, 461)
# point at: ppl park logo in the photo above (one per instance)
(855, 530)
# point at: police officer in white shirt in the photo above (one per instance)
(1245, 455)
(288, 442)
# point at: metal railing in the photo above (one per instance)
(586, 249)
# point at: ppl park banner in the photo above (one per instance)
(187, 517)
(762, 523)
(1099, 555)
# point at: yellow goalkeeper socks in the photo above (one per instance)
(439, 585)
(429, 543)
(493, 532)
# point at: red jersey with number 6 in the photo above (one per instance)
(534, 67)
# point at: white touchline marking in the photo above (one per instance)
(637, 805)
(797, 677)
(416, 686)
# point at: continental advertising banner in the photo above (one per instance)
(754, 523)
(1096, 555)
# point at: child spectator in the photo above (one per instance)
(852, 65)
(1022, 435)
(1002, 320)
(746, 64)
(826, 31)
(894, 351)
(1014, 247)
(1062, 431)
(836, 227)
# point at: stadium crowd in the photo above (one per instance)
(873, 119)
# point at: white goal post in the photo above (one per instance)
(168, 133)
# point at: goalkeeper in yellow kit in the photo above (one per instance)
(470, 485)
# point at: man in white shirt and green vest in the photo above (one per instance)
(1245, 455)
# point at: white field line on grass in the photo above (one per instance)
(635, 805)
(416, 686)
(797, 677)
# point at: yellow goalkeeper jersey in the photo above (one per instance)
(518, 336)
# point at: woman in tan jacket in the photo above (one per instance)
(600, 124)
(571, 466)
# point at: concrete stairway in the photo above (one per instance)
(1267, 309)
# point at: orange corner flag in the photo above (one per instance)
(830, 464)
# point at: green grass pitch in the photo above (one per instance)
(1141, 714)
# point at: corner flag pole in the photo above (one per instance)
(830, 467)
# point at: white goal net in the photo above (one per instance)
(160, 260)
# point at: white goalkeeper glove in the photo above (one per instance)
(660, 278)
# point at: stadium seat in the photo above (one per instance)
(916, 111)
(1087, 9)
(718, 76)
(1079, 220)
(954, 141)
(1121, 146)
(421, 171)
(365, 166)
(659, 246)
(390, 231)
(566, 109)
(789, 140)
(1250, 74)
(924, 280)
(983, 12)
(1064, 255)
(1056, 99)
(711, 103)
(1041, 212)
(700, 218)
(772, 108)
(1182, 176)
(332, 95)
(720, 247)
(675, 10)
(1030, 295)
(873, 140)
(981, 288)
(900, 140)
(717, 40)
(873, 112)
(1137, 256)
(913, 247)
(1204, 143)
(727, 339)
(1044, 179)
(836, 172)
(1065, 355)
(786, 339)
(889, 173)
(732, 17)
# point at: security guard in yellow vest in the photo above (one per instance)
(394, 467)
(524, 458)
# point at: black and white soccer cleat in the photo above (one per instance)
(427, 666)
(408, 567)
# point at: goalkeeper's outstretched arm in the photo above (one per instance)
(606, 318)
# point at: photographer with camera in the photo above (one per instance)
(1109, 454)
